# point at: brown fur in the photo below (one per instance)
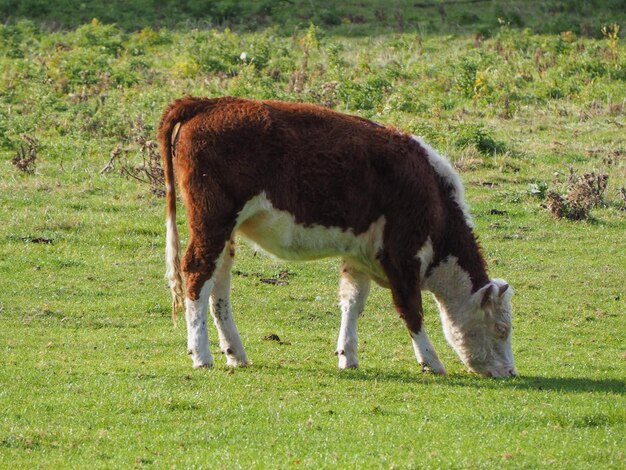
(323, 167)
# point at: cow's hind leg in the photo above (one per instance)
(230, 341)
(197, 331)
(203, 258)
(354, 287)
(403, 275)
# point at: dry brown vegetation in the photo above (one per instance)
(583, 194)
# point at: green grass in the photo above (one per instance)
(92, 372)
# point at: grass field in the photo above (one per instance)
(92, 372)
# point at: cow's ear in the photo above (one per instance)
(502, 288)
(489, 295)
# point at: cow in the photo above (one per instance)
(304, 182)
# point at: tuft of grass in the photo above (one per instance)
(480, 138)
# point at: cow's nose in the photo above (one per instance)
(512, 372)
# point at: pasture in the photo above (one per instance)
(94, 374)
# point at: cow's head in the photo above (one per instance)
(479, 329)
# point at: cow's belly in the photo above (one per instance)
(278, 233)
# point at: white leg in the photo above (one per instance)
(230, 341)
(197, 332)
(354, 287)
(425, 353)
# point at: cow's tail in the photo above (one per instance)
(173, 118)
(168, 133)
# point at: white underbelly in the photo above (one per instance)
(277, 232)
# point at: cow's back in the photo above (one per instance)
(323, 167)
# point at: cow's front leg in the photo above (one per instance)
(354, 287)
(403, 274)
(230, 341)
(425, 352)
(197, 331)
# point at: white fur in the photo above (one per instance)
(425, 352)
(197, 332)
(172, 260)
(230, 341)
(452, 288)
(468, 327)
(425, 254)
(278, 233)
(444, 169)
(449, 281)
(353, 290)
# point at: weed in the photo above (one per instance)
(557, 205)
(26, 157)
(367, 95)
(507, 108)
(150, 170)
(611, 34)
(478, 136)
(106, 38)
(467, 77)
(538, 190)
(588, 189)
(583, 194)
(327, 95)
(468, 159)
(113, 157)
(335, 61)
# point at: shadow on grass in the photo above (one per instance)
(555, 384)
(458, 379)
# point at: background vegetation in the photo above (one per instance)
(526, 98)
(348, 17)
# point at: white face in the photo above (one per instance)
(480, 330)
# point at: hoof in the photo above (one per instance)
(235, 358)
(234, 362)
(202, 362)
(200, 359)
(439, 369)
(345, 363)
(203, 365)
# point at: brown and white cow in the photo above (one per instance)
(305, 182)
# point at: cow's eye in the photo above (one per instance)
(501, 330)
